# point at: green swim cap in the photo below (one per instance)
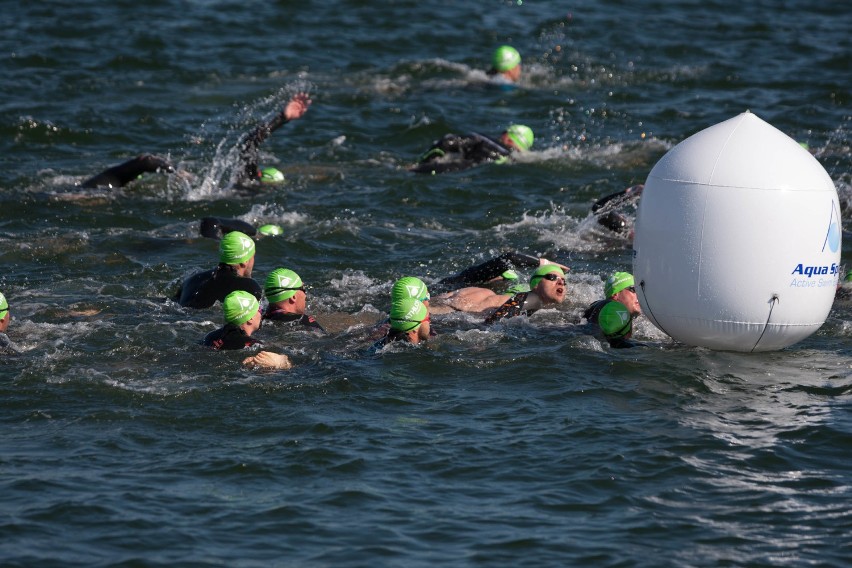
(617, 282)
(281, 284)
(505, 58)
(615, 320)
(271, 175)
(409, 287)
(407, 314)
(239, 307)
(517, 289)
(541, 271)
(4, 305)
(521, 135)
(236, 248)
(848, 276)
(270, 230)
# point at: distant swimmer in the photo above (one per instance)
(506, 64)
(619, 287)
(249, 171)
(236, 261)
(287, 297)
(5, 313)
(122, 174)
(455, 152)
(242, 316)
(616, 323)
(409, 323)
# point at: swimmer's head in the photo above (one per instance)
(236, 248)
(615, 320)
(4, 305)
(521, 136)
(271, 175)
(617, 282)
(282, 284)
(239, 307)
(409, 287)
(4, 313)
(408, 314)
(505, 58)
(544, 270)
(848, 277)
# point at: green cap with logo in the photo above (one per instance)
(4, 305)
(615, 320)
(236, 248)
(409, 287)
(617, 282)
(541, 271)
(239, 307)
(505, 58)
(281, 284)
(407, 314)
(521, 135)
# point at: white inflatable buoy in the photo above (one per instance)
(737, 239)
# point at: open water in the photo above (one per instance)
(125, 443)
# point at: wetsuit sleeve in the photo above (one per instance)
(311, 323)
(122, 174)
(252, 141)
(616, 199)
(216, 227)
(492, 269)
(592, 312)
(512, 307)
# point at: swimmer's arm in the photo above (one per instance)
(122, 174)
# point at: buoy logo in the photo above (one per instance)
(832, 236)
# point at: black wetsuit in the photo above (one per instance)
(276, 314)
(229, 337)
(392, 336)
(605, 208)
(252, 141)
(487, 271)
(202, 290)
(216, 227)
(454, 153)
(512, 307)
(591, 315)
(594, 310)
(122, 174)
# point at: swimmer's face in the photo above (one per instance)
(4, 321)
(424, 330)
(513, 74)
(300, 300)
(629, 298)
(253, 324)
(551, 288)
(508, 142)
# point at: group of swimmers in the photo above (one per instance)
(231, 282)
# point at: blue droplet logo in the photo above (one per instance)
(834, 237)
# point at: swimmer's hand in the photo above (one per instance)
(268, 360)
(297, 106)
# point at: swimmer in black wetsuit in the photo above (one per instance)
(236, 261)
(454, 153)
(122, 174)
(547, 287)
(249, 171)
(286, 294)
(617, 325)
(409, 322)
(619, 287)
(497, 270)
(5, 314)
(242, 316)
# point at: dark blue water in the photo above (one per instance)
(125, 443)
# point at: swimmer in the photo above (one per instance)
(217, 227)
(287, 297)
(498, 270)
(547, 287)
(606, 209)
(236, 261)
(619, 287)
(5, 313)
(506, 64)
(409, 322)
(242, 316)
(454, 153)
(249, 171)
(122, 174)
(616, 323)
